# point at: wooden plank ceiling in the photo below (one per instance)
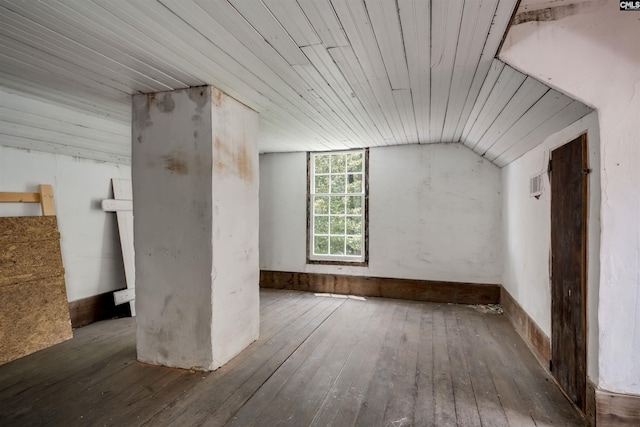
(323, 74)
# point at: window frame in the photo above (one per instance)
(349, 260)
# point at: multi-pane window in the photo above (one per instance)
(337, 197)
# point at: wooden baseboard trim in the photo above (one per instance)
(95, 308)
(530, 332)
(408, 289)
(590, 403)
(616, 409)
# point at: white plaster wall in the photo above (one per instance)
(435, 213)
(595, 57)
(88, 236)
(527, 233)
(283, 211)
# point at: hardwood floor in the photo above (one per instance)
(320, 360)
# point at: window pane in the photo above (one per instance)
(321, 205)
(354, 225)
(354, 245)
(354, 183)
(354, 162)
(321, 245)
(337, 204)
(337, 225)
(322, 184)
(322, 164)
(337, 245)
(337, 184)
(354, 205)
(338, 163)
(321, 225)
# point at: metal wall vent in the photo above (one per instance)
(535, 186)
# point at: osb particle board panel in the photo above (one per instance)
(34, 313)
(20, 262)
(16, 229)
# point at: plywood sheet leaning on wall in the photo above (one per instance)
(34, 312)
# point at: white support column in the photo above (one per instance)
(195, 188)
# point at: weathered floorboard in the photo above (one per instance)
(320, 360)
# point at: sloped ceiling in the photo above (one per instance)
(323, 74)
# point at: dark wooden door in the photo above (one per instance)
(568, 267)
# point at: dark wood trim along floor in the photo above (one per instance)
(537, 340)
(319, 361)
(617, 410)
(407, 289)
(590, 403)
(98, 307)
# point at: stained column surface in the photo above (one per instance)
(195, 191)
